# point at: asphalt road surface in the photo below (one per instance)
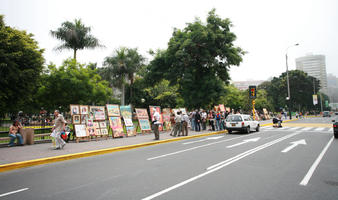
(275, 163)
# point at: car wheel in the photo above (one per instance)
(230, 131)
(335, 135)
(257, 129)
(248, 129)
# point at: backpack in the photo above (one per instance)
(218, 116)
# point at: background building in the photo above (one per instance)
(314, 65)
(244, 85)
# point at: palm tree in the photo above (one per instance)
(75, 36)
(121, 68)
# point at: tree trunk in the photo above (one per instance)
(75, 54)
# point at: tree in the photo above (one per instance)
(233, 97)
(198, 59)
(21, 63)
(75, 36)
(72, 83)
(120, 68)
(301, 91)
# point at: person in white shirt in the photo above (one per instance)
(155, 123)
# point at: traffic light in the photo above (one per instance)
(252, 92)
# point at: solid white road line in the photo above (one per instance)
(13, 192)
(244, 142)
(197, 147)
(206, 139)
(312, 169)
(231, 160)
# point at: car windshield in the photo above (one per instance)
(234, 118)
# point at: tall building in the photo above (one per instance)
(244, 85)
(314, 65)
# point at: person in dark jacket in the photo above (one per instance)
(198, 121)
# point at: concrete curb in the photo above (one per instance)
(41, 161)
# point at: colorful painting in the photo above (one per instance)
(216, 108)
(90, 123)
(126, 112)
(74, 109)
(84, 110)
(98, 112)
(104, 131)
(144, 124)
(221, 107)
(76, 119)
(116, 126)
(141, 113)
(113, 110)
(128, 122)
(131, 131)
(183, 110)
(96, 125)
(80, 130)
(98, 132)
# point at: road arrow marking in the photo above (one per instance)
(209, 138)
(294, 144)
(244, 142)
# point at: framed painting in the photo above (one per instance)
(103, 124)
(221, 107)
(96, 125)
(98, 131)
(104, 131)
(113, 110)
(116, 126)
(144, 124)
(98, 112)
(76, 119)
(80, 130)
(91, 131)
(74, 109)
(90, 123)
(130, 131)
(84, 110)
(141, 113)
(84, 119)
(128, 122)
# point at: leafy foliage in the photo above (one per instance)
(75, 36)
(72, 83)
(21, 63)
(198, 59)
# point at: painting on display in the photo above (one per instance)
(183, 110)
(130, 131)
(104, 131)
(76, 119)
(98, 112)
(80, 130)
(96, 125)
(90, 123)
(91, 131)
(103, 124)
(128, 122)
(228, 109)
(127, 115)
(113, 110)
(84, 110)
(116, 126)
(216, 108)
(175, 111)
(98, 131)
(144, 124)
(74, 109)
(141, 113)
(221, 107)
(84, 119)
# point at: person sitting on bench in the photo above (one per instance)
(14, 132)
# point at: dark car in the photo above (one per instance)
(335, 127)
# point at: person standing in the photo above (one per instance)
(178, 127)
(198, 121)
(14, 133)
(155, 123)
(59, 126)
(211, 118)
(185, 121)
(204, 120)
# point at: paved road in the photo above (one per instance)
(275, 163)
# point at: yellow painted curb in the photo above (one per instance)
(41, 161)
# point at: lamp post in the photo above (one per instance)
(287, 78)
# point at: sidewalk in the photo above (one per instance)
(29, 153)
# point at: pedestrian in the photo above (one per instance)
(155, 123)
(178, 120)
(211, 119)
(193, 122)
(185, 121)
(59, 126)
(14, 133)
(198, 121)
(204, 117)
(218, 121)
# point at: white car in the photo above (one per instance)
(243, 123)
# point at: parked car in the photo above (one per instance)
(326, 114)
(335, 127)
(243, 123)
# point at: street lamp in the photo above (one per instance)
(287, 78)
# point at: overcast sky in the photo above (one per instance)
(264, 28)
